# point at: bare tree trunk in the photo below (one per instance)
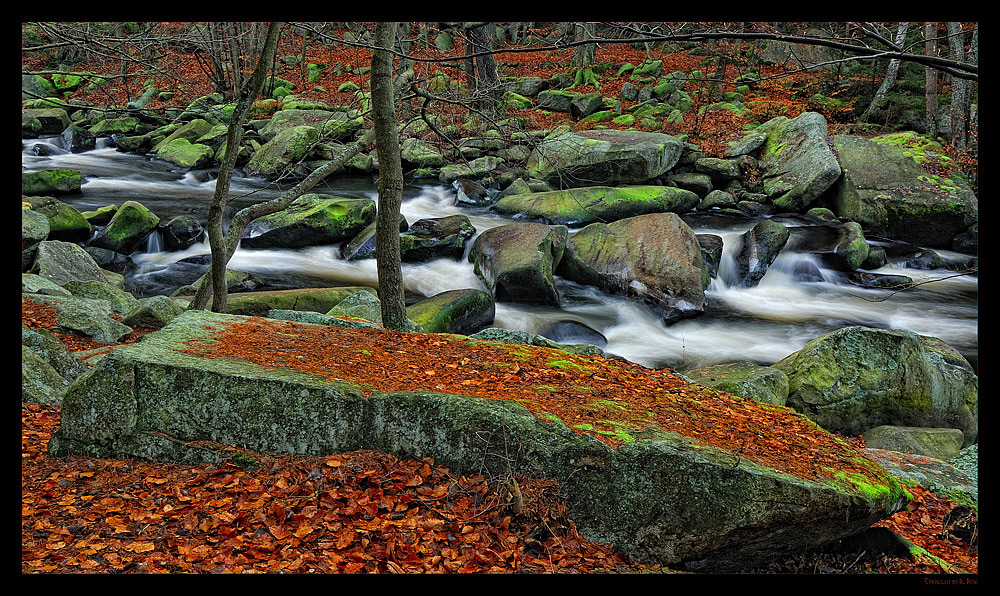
(584, 55)
(487, 79)
(890, 75)
(931, 80)
(390, 182)
(234, 136)
(960, 89)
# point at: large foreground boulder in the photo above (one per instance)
(604, 157)
(579, 206)
(666, 498)
(857, 378)
(655, 258)
(885, 189)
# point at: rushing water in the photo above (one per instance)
(761, 324)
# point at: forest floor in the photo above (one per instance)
(358, 512)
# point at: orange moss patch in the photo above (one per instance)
(587, 394)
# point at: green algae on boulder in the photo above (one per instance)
(604, 157)
(797, 165)
(885, 189)
(47, 182)
(857, 378)
(311, 220)
(286, 149)
(64, 221)
(319, 300)
(455, 311)
(131, 224)
(577, 206)
(746, 379)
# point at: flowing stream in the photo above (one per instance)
(761, 324)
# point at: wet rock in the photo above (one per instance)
(517, 261)
(654, 258)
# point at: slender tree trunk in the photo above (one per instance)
(216, 236)
(931, 80)
(584, 55)
(390, 182)
(890, 75)
(487, 79)
(960, 89)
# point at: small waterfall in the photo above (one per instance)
(154, 242)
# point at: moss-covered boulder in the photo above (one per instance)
(857, 378)
(418, 153)
(668, 499)
(436, 238)
(185, 154)
(517, 261)
(311, 220)
(132, 223)
(318, 300)
(153, 312)
(52, 350)
(531, 339)
(51, 182)
(887, 191)
(89, 317)
(62, 262)
(34, 229)
(40, 382)
(327, 125)
(939, 443)
(285, 149)
(236, 281)
(746, 379)
(455, 311)
(589, 204)
(52, 121)
(189, 131)
(120, 301)
(359, 305)
(32, 283)
(123, 125)
(655, 258)
(604, 157)
(797, 165)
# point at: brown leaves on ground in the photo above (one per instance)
(359, 512)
